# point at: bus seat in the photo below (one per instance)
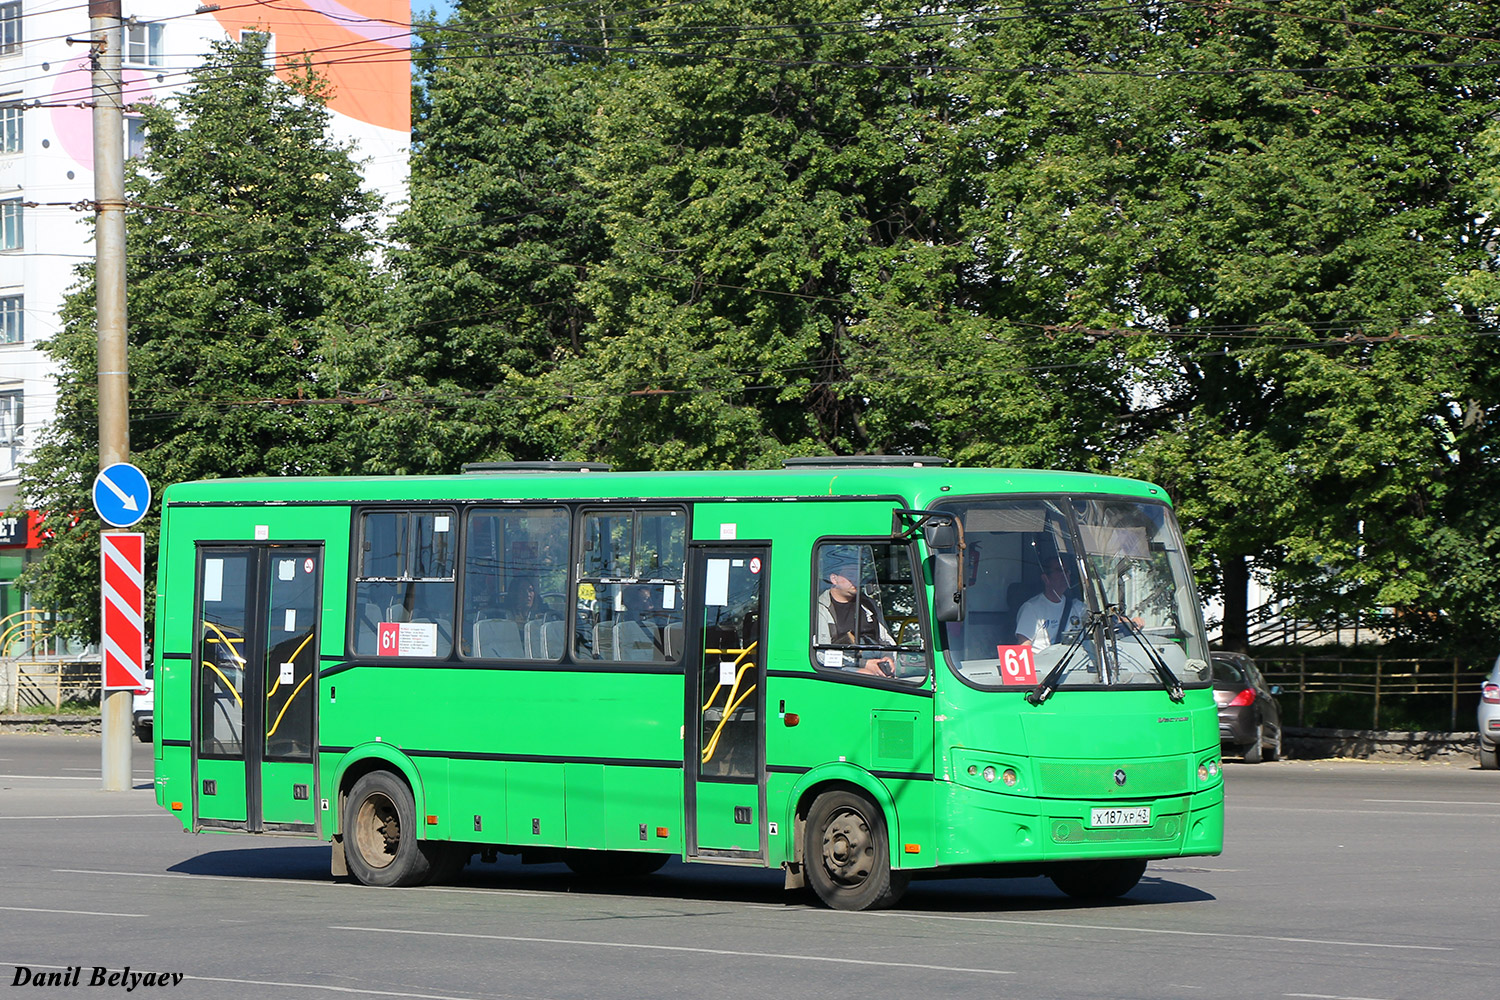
(671, 641)
(397, 613)
(366, 627)
(985, 630)
(633, 641)
(552, 640)
(498, 637)
(604, 641)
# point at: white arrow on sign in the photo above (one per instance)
(125, 498)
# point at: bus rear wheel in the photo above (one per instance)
(1098, 879)
(847, 854)
(380, 833)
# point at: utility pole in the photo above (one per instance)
(106, 38)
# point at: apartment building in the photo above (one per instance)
(46, 163)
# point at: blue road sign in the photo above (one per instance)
(121, 494)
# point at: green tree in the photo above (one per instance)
(254, 315)
(1170, 240)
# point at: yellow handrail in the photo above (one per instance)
(738, 659)
(713, 742)
(237, 699)
(272, 731)
(270, 688)
(730, 702)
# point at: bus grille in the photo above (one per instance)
(1066, 779)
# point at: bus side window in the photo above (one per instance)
(515, 574)
(866, 616)
(629, 598)
(405, 583)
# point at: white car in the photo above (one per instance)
(142, 705)
(1489, 718)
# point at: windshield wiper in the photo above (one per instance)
(1168, 679)
(1054, 677)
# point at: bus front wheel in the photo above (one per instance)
(847, 854)
(380, 833)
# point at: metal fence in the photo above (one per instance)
(1438, 687)
(36, 683)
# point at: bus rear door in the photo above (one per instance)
(255, 687)
(726, 728)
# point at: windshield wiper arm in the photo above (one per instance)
(1168, 679)
(1054, 677)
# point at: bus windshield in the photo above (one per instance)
(1099, 585)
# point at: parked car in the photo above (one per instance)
(142, 707)
(1489, 718)
(1249, 716)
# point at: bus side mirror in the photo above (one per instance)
(947, 587)
(941, 535)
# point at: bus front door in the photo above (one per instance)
(255, 687)
(726, 703)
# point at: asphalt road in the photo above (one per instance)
(1339, 880)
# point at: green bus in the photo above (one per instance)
(853, 670)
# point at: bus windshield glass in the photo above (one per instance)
(1099, 585)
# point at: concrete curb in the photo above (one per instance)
(1321, 744)
(51, 724)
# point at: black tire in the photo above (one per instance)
(1252, 753)
(1098, 879)
(614, 864)
(1272, 751)
(847, 854)
(1487, 759)
(380, 834)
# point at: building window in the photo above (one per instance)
(12, 317)
(135, 138)
(10, 27)
(143, 44)
(12, 427)
(265, 39)
(11, 236)
(10, 127)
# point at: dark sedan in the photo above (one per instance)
(1249, 717)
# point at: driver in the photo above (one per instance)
(848, 617)
(1041, 619)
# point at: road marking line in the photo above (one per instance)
(1163, 930)
(93, 816)
(81, 913)
(51, 777)
(1430, 802)
(293, 881)
(677, 948)
(1359, 812)
(1326, 996)
(300, 986)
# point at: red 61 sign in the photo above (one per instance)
(1016, 665)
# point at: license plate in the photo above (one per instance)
(1118, 816)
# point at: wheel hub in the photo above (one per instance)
(848, 848)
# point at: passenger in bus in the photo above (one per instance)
(845, 616)
(639, 601)
(1044, 618)
(523, 602)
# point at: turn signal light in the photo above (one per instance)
(1491, 692)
